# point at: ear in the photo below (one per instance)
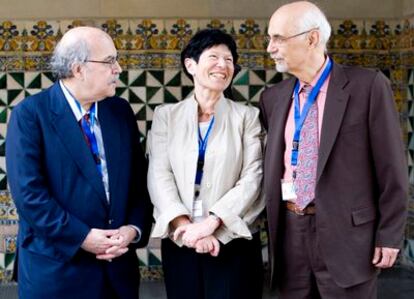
(314, 38)
(190, 65)
(78, 71)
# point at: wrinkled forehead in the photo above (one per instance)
(102, 45)
(282, 24)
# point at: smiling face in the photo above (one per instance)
(214, 69)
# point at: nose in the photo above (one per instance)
(221, 62)
(117, 67)
(271, 47)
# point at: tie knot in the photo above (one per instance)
(306, 89)
(87, 117)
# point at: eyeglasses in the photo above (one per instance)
(279, 39)
(111, 60)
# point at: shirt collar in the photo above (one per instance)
(73, 105)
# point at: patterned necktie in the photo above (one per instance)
(85, 119)
(308, 155)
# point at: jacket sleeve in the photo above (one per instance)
(390, 164)
(161, 182)
(240, 206)
(29, 185)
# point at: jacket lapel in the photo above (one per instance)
(276, 129)
(220, 119)
(335, 106)
(71, 136)
(191, 129)
(111, 135)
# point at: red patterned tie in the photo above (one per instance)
(308, 155)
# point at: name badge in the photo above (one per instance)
(198, 208)
(288, 191)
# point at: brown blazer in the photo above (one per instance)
(362, 176)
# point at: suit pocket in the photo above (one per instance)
(363, 215)
(40, 246)
(347, 128)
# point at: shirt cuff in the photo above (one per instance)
(138, 236)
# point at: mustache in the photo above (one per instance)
(114, 80)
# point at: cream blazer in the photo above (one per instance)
(232, 177)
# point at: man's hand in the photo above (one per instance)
(193, 232)
(126, 234)
(384, 257)
(99, 240)
(208, 244)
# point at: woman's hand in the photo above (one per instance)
(179, 221)
(191, 233)
(209, 244)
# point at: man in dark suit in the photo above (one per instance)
(335, 175)
(77, 174)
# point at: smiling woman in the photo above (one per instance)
(204, 180)
(213, 72)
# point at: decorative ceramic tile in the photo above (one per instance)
(146, 34)
(172, 78)
(254, 93)
(65, 25)
(155, 95)
(222, 24)
(137, 94)
(241, 93)
(242, 78)
(154, 78)
(257, 77)
(47, 79)
(185, 81)
(40, 35)
(179, 32)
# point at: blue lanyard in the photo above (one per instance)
(202, 146)
(300, 117)
(88, 130)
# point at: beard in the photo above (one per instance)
(281, 67)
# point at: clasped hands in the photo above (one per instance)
(198, 235)
(108, 244)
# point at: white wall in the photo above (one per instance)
(73, 9)
(408, 7)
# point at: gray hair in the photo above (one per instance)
(315, 18)
(67, 54)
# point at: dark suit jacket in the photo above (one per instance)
(361, 188)
(60, 196)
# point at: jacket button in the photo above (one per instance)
(110, 221)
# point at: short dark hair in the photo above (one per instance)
(206, 39)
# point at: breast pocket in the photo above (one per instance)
(353, 127)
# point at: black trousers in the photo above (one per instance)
(236, 273)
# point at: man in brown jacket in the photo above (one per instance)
(335, 175)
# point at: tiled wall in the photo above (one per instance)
(149, 54)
